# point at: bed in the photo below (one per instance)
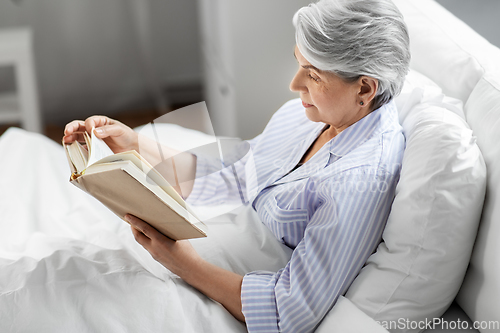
(67, 264)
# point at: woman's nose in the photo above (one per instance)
(296, 84)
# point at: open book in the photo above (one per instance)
(127, 184)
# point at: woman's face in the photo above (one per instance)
(326, 97)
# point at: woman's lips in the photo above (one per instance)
(306, 105)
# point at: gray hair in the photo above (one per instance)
(352, 38)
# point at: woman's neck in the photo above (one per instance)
(328, 133)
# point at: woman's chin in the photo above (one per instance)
(312, 114)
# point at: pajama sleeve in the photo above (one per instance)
(221, 177)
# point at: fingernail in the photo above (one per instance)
(99, 130)
(127, 218)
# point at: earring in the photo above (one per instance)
(361, 103)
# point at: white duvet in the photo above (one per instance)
(67, 264)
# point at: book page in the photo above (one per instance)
(77, 155)
(98, 149)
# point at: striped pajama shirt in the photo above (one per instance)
(331, 210)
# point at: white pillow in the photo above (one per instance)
(419, 267)
(479, 295)
(444, 48)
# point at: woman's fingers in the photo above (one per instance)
(73, 131)
(73, 127)
(140, 237)
(109, 131)
(139, 230)
(97, 121)
(120, 136)
(73, 137)
(142, 227)
(151, 239)
(135, 222)
(177, 256)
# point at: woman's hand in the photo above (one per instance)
(181, 258)
(117, 136)
(120, 138)
(177, 256)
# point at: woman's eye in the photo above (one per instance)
(314, 78)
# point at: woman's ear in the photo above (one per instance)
(368, 87)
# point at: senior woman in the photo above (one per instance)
(326, 167)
